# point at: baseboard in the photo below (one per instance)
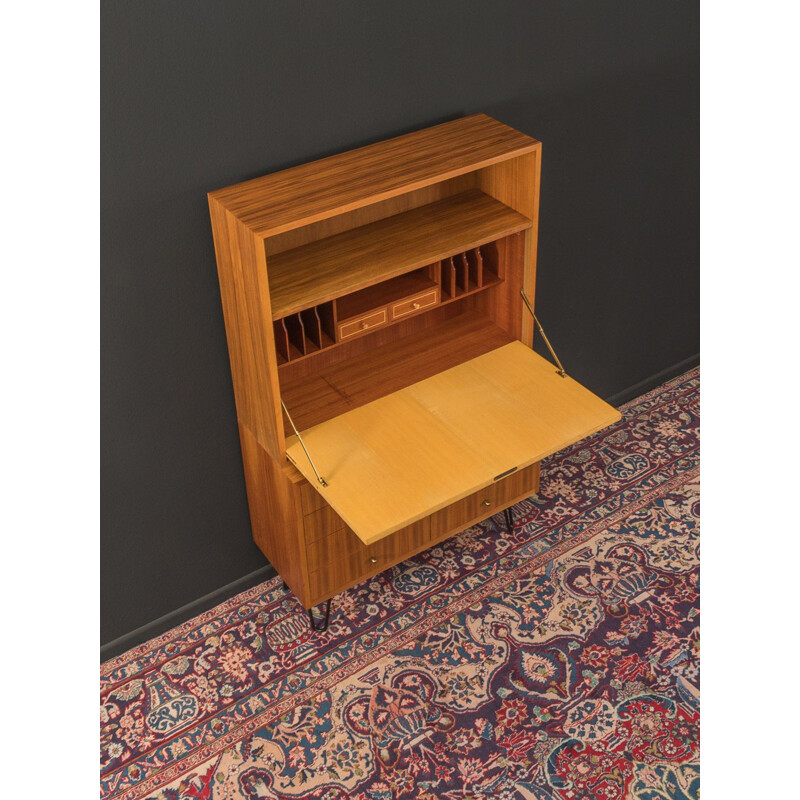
(642, 387)
(184, 613)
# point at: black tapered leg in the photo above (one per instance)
(509, 519)
(315, 626)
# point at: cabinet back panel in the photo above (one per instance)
(372, 213)
(356, 347)
(327, 393)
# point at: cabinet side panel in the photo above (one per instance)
(275, 514)
(515, 182)
(241, 265)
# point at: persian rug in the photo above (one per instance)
(560, 661)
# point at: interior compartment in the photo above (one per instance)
(355, 259)
(382, 294)
(353, 310)
(304, 333)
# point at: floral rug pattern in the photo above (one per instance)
(560, 661)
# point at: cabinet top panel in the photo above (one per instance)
(314, 191)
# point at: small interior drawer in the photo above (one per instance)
(410, 305)
(357, 325)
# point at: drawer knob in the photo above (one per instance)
(415, 306)
(487, 502)
(364, 325)
(373, 560)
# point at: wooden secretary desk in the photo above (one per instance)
(380, 346)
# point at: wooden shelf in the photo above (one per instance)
(353, 260)
(349, 384)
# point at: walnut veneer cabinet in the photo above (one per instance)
(380, 346)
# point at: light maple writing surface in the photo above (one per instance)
(399, 458)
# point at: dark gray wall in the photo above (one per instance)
(199, 95)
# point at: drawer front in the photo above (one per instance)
(321, 523)
(413, 304)
(522, 483)
(457, 516)
(357, 325)
(336, 557)
(486, 502)
(397, 546)
(310, 498)
(341, 557)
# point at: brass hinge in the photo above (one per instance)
(560, 370)
(302, 444)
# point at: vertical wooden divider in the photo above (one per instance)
(476, 267)
(311, 326)
(449, 276)
(281, 338)
(294, 327)
(463, 271)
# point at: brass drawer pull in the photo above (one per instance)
(373, 560)
(415, 306)
(487, 502)
(364, 325)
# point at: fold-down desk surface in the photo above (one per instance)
(419, 449)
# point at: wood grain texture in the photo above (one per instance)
(486, 502)
(273, 495)
(434, 442)
(506, 308)
(361, 325)
(381, 294)
(355, 259)
(343, 559)
(371, 213)
(393, 330)
(457, 516)
(531, 487)
(344, 544)
(342, 351)
(305, 194)
(350, 567)
(318, 396)
(516, 182)
(321, 523)
(411, 423)
(522, 483)
(414, 304)
(241, 266)
(310, 498)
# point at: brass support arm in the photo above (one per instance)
(560, 370)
